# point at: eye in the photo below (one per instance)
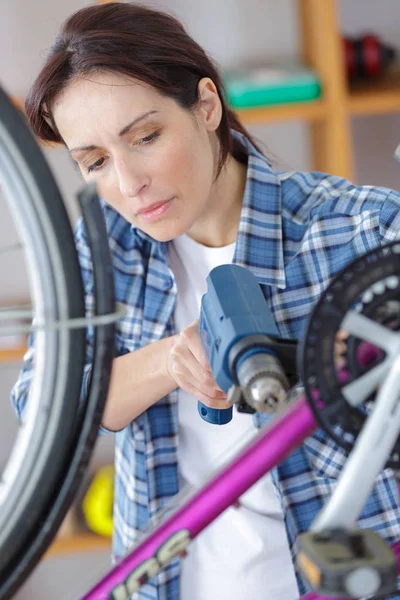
(95, 166)
(149, 138)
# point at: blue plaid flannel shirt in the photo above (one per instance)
(296, 231)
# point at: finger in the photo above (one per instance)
(340, 348)
(183, 355)
(205, 384)
(204, 398)
(342, 335)
(191, 338)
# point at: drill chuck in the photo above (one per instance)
(262, 381)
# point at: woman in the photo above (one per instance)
(141, 109)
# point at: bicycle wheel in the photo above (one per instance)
(31, 476)
(91, 408)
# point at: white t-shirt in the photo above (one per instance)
(244, 553)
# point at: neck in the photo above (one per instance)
(218, 225)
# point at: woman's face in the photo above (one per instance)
(151, 160)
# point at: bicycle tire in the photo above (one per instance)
(59, 353)
(91, 408)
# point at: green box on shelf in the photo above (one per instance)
(268, 84)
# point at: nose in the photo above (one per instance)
(131, 180)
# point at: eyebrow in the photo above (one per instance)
(123, 131)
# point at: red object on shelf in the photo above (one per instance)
(367, 56)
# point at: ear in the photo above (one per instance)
(209, 106)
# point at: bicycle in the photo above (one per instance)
(326, 401)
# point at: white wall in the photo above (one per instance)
(233, 31)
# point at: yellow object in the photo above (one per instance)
(310, 569)
(97, 504)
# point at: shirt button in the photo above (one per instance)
(168, 284)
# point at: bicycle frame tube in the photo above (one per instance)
(266, 451)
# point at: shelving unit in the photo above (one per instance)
(12, 355)
(329, 121)
(329, 117)
(306, 111)
(78, 543)
(380, 97)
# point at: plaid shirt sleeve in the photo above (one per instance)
(20, 390)
(389, 222)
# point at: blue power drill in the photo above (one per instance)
(248, 359)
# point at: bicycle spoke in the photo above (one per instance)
(365, 329)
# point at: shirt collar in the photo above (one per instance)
(259, 245)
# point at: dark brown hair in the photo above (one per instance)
(129, 39)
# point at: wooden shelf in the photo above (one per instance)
(14, 355)
(376, 97)
(367, 98)
(308, 111)
(78, 543)
(19, 103)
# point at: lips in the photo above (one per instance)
(152, 207)
(155, 211)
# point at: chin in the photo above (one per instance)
(167, 232)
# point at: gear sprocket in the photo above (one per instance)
(369, 287)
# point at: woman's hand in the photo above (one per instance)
(340, 348)
(188, 366)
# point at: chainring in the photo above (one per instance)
(370, 285)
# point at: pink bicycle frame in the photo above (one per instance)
(272, 445)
